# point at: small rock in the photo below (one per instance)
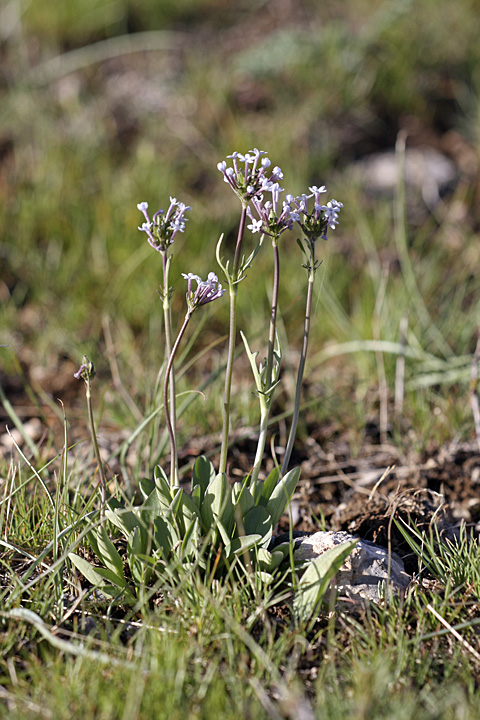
(426, 170)
(33, 428)
(369, 573)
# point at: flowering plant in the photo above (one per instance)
(219, 525)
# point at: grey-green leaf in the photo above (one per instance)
(163, 536)
(269, 561)
(243, 499)
(240, 544)
(136, 548)
(124, 519)
(203, 474)
(315, 581)
(263, 491)
(258, 521)
(108, 553)
(147, 486)
(97, 577)
(217, 504)
(282, 494)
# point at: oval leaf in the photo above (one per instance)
(316, 579)
(282, 494)
(108, 553)
(258, 521)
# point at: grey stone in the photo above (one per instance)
(426, 170)
(370, 572)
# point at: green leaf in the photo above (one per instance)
(159, 475)
(243, 498)
(97, 577)
(264, 490)
(147, 486)
(240, 544)
(124, 519)
(316, 579)
(164, 536)
(135, 549)
(203, 475)
(282, 494)
(176, 510)
(197, 496)
(92, 539)
(217, 504)
(258, 521)
(190, 541)
(184, 510)
(269, 561)
(225, 536)
(284, 548)
(252, 358)
(108, 553)
(163, 492)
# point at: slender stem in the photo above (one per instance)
(233, 291)
(262, 441)
(269, 373)
(167, 316)
(273, 315)
(171, 433)
(238, 247)
(103, 479)
(303, 356)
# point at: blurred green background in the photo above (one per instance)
(106, 104)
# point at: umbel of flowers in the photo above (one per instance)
(218, 522)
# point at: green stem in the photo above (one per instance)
(167, 315)
(273, 315)
(171, 433)
(262, 441)
(269, 374)
(303, 356)
(233, 291)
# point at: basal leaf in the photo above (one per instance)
(282, 494)
(108, 553)
(263, 491)
(135, 549)
(97, 577)
(147, 486)
(190, 540)
(240, 544)
(257, 521)
(163, 493)
(203, 474)
(176, 510)
(217, 504)
(243, 498)
(269, 561)
(125, 520)
(316, 579)
(163, 536)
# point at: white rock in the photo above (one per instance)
(369, 573)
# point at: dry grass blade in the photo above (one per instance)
(455, 634)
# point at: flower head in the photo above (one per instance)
(331, 210)
(247, 174)
(315, 222)
(207, 290)
(163, 227)
(86, 371)
(274, 217)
